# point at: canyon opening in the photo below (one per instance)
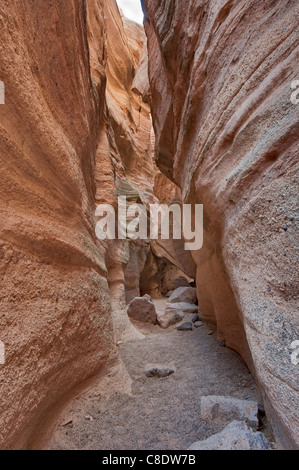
(149, 227)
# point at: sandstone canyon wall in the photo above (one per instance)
(69, 131)
(76, 131)
(124, 163)
(227, 135)
(54, 290)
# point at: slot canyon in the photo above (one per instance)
(139, 343)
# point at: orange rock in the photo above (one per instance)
(227, 135)
(71, 130)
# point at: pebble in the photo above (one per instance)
(68, 423)
(88, 418)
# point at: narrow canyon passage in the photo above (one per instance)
(197, 107)
(156, 413)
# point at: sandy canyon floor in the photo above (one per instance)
(156, 414)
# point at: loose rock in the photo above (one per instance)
(180, 282)
(236, 436)
(184, 294)
(88, 418)
(224, 409)
(198, 324)
(184, 306)
(196, 318)
(188, 326)
(143, 310)
(158, 371)
(170, 317)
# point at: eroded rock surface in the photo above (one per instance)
(73, 134)
(76, 131)
(54, 291)
(227, 135)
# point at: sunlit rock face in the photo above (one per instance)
(227, 135)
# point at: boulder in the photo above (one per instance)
(184, 306)
(180, 281)
(143, 310)
(183, 294)
(224, 409)
(236, 436)
(171, 316)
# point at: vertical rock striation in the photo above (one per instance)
(72, 134)
(55, 307)
(124, 163)
(227, 135)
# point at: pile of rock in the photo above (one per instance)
(181, 302)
